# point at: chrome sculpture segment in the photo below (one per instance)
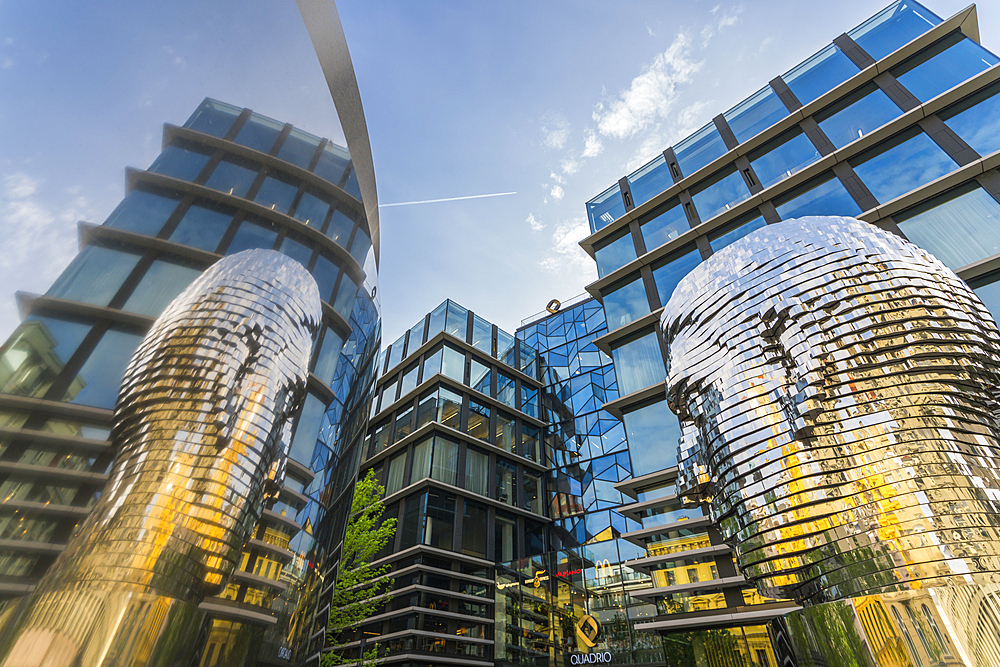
(201, 431)
(835, 386)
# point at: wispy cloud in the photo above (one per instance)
(566, 251)
(725, 18)
(435, 201)
(557, 192)
(570, 166)
(592, 145)
(555, 131)
(533, 222)
(652, 94)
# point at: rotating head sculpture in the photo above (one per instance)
(835, 389)
(201, 431)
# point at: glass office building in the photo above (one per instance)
(226, 181)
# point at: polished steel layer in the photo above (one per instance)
(201, 429)
(835, 387)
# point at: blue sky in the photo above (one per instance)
(554, 101)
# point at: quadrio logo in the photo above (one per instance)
(587, 630)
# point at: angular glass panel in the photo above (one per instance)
(529, 401)
(649, 180)
(457, 321)
(259, 133)
(626, 303)
(638, 364)
(360, 246)
(665, 225)
(506, 482)
(202, 227)
(506, 432)
(94, 276)
(844, 124)
(960, 228)
(479, 420)
(477, 468)
(297, 250)
(820, 73)
(615, 254)
(909, 162)
(824, 196)
(720, 238)
(605, 208)
(255, 233)
(533, 492)
(482, 335)
(312, 210)
(653, 437)
(506, 390)
(345, 297)
(142, 212)
(977, 120)
(943, 66)
(99, 380)
(299, 148)
(787, 155)
(325, 272)
(755, 114)
(332, 163)
(214, 118)
(444, 467)
(231, 178)
(891, 28)
(677, 265)
(720, 195)
(479, 378)
(329, 354)
(36, 352)
(163, 281)
(275, 194)
(178, 162)
(699, 149)
(409, 380)
(340, 228)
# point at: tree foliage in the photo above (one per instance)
(360, 589)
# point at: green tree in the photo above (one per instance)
(360, 588)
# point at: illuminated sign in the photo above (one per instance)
(603, 566)
(587, 629)
(589, 658)
(568, 573)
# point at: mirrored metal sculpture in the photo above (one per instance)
(835, 385)
(201, 431)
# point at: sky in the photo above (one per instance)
(552, 101)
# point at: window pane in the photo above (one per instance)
(396, 352)
(253, 234)
(36, 352)
(859, 118)
(332, 163)
(506, 393)
(505, 538)
(474, 529)
(829, 197)
(457, 321)
(720, 195)
(231, 178)
(351, 186)
(214, 118)
(404, 424)
(202, 228)
(296, 250)
(530, 443)
(666, 226)
(638, 364)
(325, 272)
(179, 163)
(893, 27)
(299, 148)
(142, 212)
(445, 465)
(482, 334)
(506, 439)
(409, 381)
(779, 162)
(730, 233)
(819, 74)
(449, 411)
(699, 149)
(344, 302)
(94, 276)
(100, 379)
(416, 338)
(340, 228)
(259, 133)
(360, 246)
(979, 123)
(394, 477)
(653, 435)
(329, 354)
(440, 525)
(605, 208)
(950, 62)
(312, 210)
(667, 276)
(477, 468)
(615, 254)
(529, 401)
(505, 348)
(903, 167)
(479, 421)
(755, 114)
(649, 180)
(162, 282)
(479, 378)
(960, 230)
(421, 466)
(506, 486)
(625, 304)
(275, 194)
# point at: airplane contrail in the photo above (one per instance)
(434, 201)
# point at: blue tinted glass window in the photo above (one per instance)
(360, 246)
(325, 272)
(653, 436)
(859, 118)
(100, 378)
(664, 227)
(979, 123)
(676, 267)
(482, 334)
(329, 354)
(819, 74)
(605, 208)
(479, 377)
(142, 212)
(345, 297)
(253, 234)
(231, 178)
(180, 163)
(259, 133)
(730, 233)
(307, 428)
(312, 210)
(298, 148)
(638, 364)
(529, 401)
(297, 250)
(214, 118)
(649, 181)
(351, 186)
(457, 321)
(893, 27)
(625, 304)
(340, 228)
(903, 167)
(95, 275)
(779, 162)
(958, 230)
(275, 194)
(826, 197)
(756, 113)
(163, 281)
(615, 254)
(946, 69)
(988, 291)
(332, 163)
(699, 149)
(720, 195)
(396, 352)
(202, 228)
(36, 352)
